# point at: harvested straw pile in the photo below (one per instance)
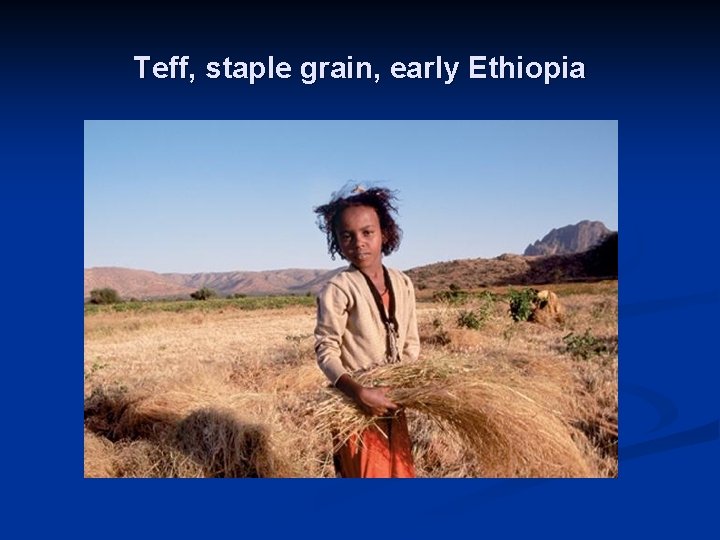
(98, 456)
(547, 308)
(181, 433)
(490, 415)
(512, 425)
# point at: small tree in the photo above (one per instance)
(203, 294)
(104, 296)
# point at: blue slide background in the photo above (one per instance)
(654, 70)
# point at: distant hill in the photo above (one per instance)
(569, 239)
(599, 262)
(293, 280)
(142, 284)
(131, 283)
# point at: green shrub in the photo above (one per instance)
(203, 294)
(487, 303)
(455, 295)
(586, 345)
(470, 319)
(104, 296)
(522, 303)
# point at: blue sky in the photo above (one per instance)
(211, 196)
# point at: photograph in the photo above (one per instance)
(350, 299)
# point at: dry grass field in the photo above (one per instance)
(236, 393)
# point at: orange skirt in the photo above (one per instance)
(378, 453)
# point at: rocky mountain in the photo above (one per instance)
(569, 239)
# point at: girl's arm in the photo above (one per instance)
(332, 314)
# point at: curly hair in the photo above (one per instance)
(382, 200)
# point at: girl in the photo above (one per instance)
(366, 317)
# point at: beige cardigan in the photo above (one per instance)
(350, 335)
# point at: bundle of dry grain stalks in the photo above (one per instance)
(511, 423)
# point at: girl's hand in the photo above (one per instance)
(374, 401)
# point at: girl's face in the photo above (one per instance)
(360, 237)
